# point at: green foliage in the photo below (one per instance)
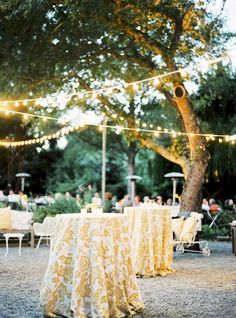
(222, 230)
(212, 233)
(117, 41)
(60, 206)
(2, 205)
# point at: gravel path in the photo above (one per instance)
(201, 286)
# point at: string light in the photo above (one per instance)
(67, 130)
(156, 81)
(159, 129)
(106, 89)
(45, 118)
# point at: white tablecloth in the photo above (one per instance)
(90, 273)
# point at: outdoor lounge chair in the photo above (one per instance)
(185, 231)
(44, 230)
(212, 218)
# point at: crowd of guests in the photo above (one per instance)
(86, 196)
(212, 208)
(14, 200)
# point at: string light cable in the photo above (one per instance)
(156, 132)
(26, 115)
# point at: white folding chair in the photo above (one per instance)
(44, 230)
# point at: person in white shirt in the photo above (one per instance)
(96, 200)
(205, 205)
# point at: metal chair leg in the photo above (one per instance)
(39, 241)
(20, 240)
(7, 238)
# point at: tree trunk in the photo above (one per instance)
(192, 190)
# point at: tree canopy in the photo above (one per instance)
(77, 46)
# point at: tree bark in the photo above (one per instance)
(192, 190)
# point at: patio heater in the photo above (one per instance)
(174, 177)
(132, 190)
(23, 175)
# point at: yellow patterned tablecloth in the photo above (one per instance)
(151, 240)
(90, 273)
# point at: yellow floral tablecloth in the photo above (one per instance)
(90, 273)
(151, 240)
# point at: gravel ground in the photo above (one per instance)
(201, 286)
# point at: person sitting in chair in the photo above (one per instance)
(214, 208)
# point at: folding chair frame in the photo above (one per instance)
(181, 247)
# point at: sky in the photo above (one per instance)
(230, 14)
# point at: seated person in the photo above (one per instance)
(214, 208)
(169, 201)
(96, 200)
(205, 205)
(107, 204)
(159, 200)
(137, 201)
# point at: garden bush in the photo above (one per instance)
(61, 206)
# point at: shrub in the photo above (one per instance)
(59, 207)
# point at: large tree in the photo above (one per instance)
(45, 44)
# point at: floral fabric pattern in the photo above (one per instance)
(151, 240)
(90, 272)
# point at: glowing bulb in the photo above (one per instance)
(80, 95)
(16, 104)
(109, 90)
(220, 140)
(94, 95)
(4, 103)
(183, 73)
(25, 102)
(156, 81)
(204, 66)
(135, 86)
(26, 116)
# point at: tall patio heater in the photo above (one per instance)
(23, 175)
(174, 177)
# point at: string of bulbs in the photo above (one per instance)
(156, 132)
(65, 131)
